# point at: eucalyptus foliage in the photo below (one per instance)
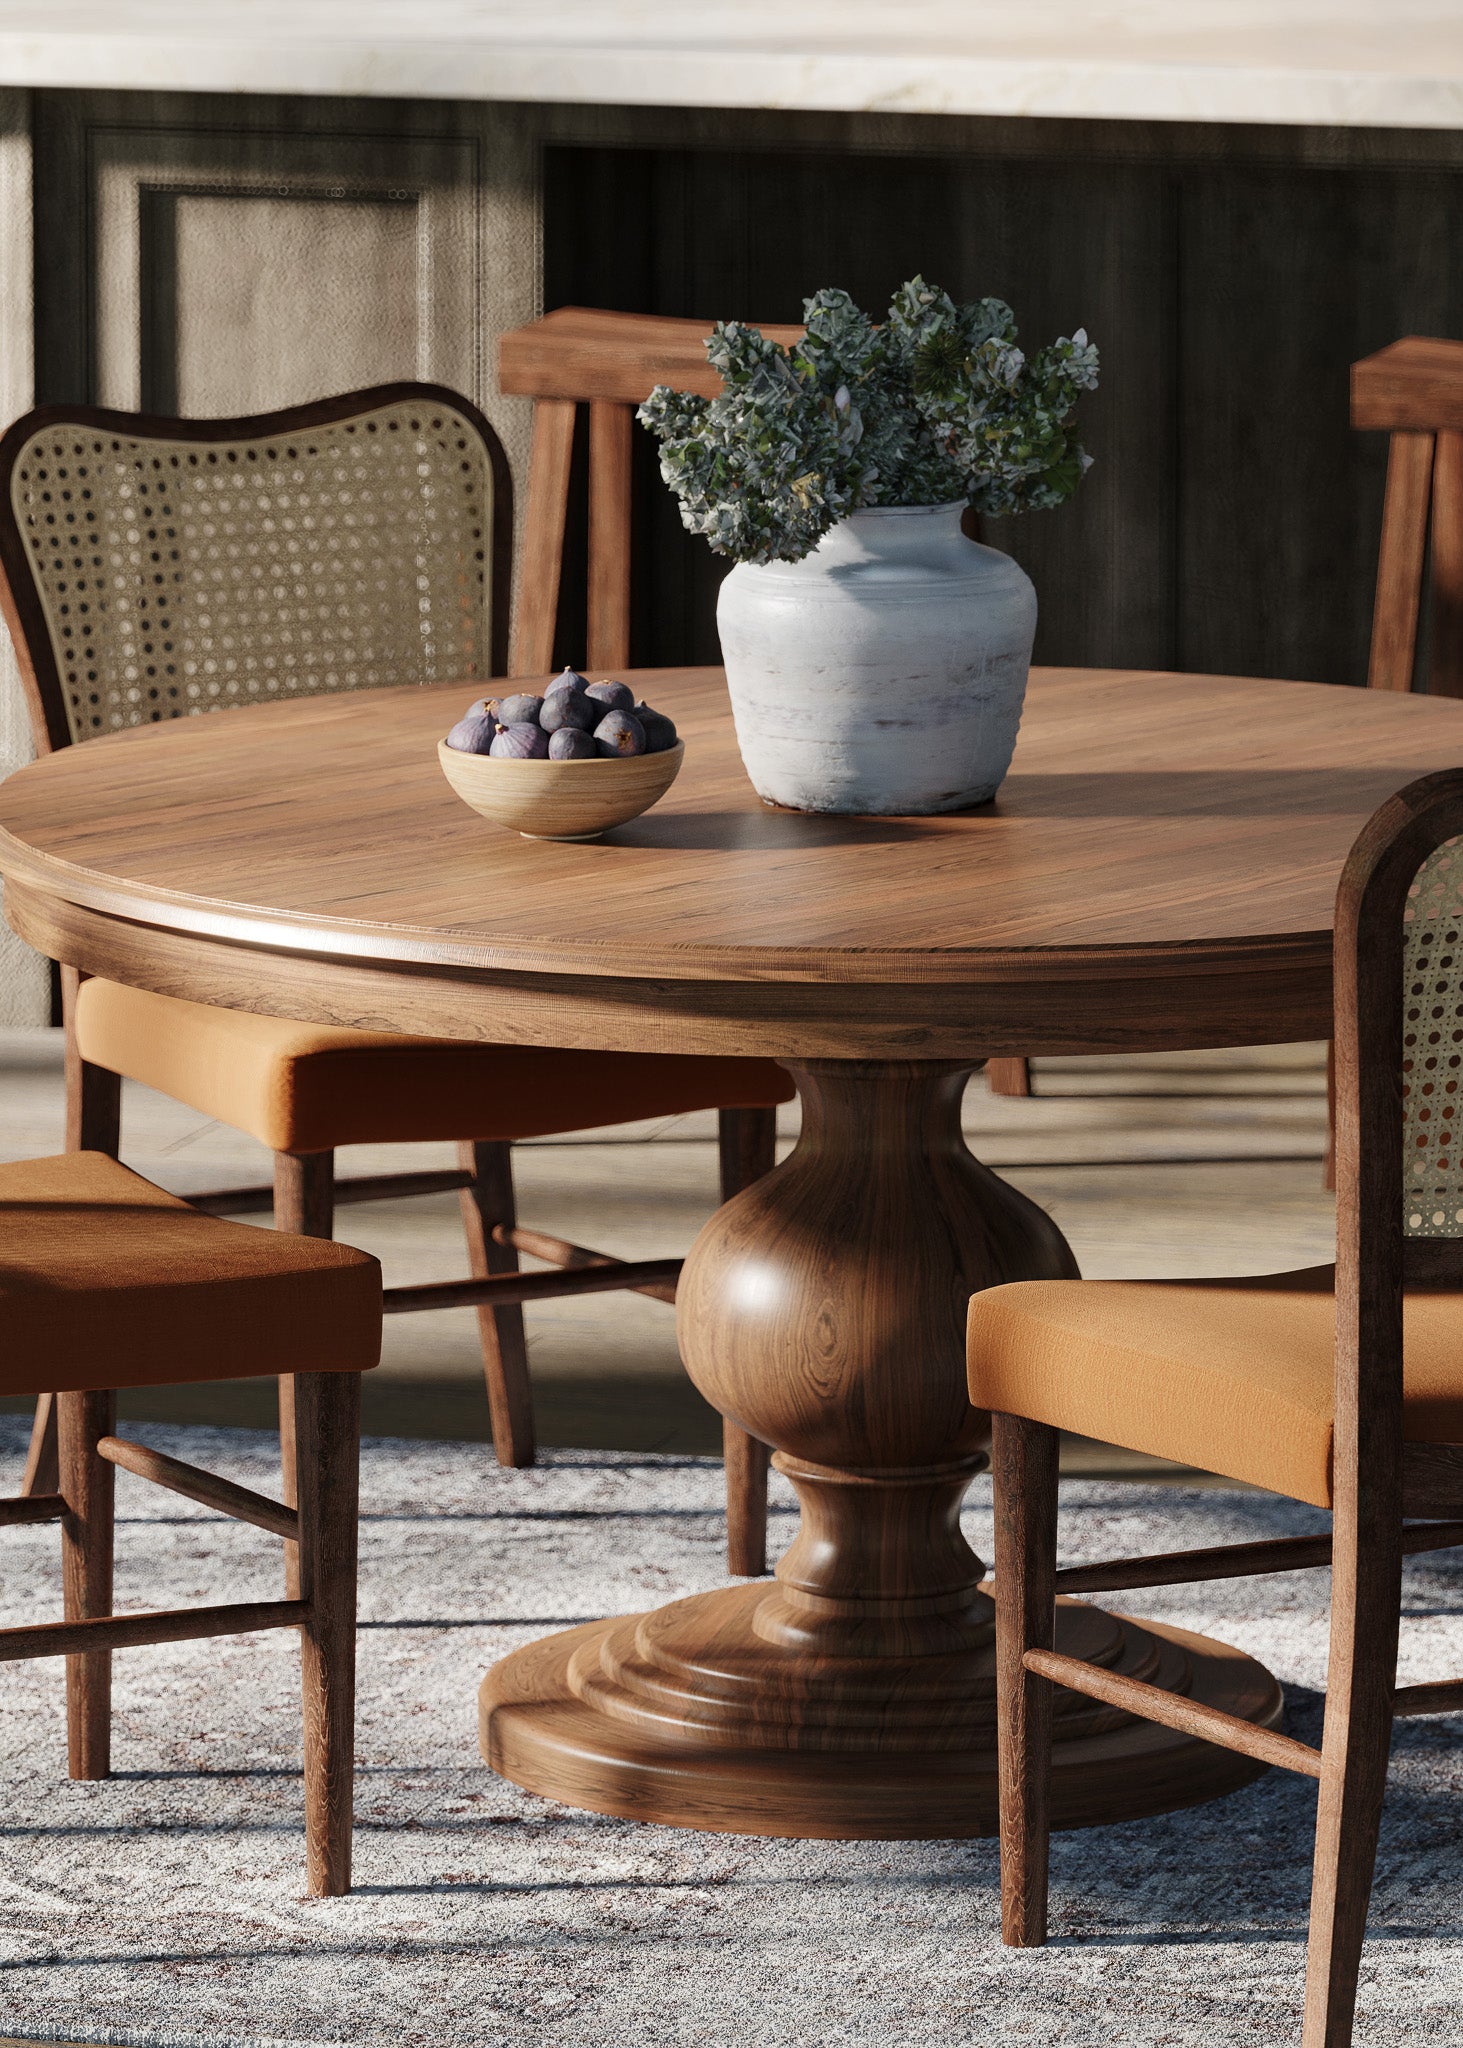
(938, 404)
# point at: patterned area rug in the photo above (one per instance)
(164, 1907)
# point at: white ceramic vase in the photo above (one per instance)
(885, 672)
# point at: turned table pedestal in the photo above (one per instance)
(824, 1310)
(1157, 872)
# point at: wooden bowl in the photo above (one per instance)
(561, 799)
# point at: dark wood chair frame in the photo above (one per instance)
(321, 1527)
(1378, 1480)
(1413, 391)
(305, 1192)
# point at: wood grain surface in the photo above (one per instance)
(823, 1309)
(583, 352)
(1158, 870)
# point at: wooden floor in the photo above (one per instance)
(1199, 1163)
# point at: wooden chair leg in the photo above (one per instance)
(486, 1204)
(748, 1147)
(93, 1124)
(1328, 1157)
(89, 1484)
(611, 433)
(746, 1459)
(304, 1203)
(328, 1426)
(1024, 1459)
(42, 1463)
(93, 1094)
(541, 556)
(1009, 1077)
(1365, 1601)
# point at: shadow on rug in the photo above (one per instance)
(163, 1908)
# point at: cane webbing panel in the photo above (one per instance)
(180, 576)
(1432, 1046)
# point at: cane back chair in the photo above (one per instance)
(158, 568)
(107, 1282)
(1338, 1386)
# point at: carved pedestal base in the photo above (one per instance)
(673, 1717)
(824, 1310)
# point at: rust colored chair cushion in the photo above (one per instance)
(311, 1087)
(1234, 1377)
(105, 1281)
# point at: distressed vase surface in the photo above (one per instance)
(885, 672)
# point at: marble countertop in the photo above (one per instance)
(1329, 63)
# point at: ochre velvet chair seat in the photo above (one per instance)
(312, 1087)
(105, 1281)
(1235, 1377)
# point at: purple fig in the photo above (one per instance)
(613, 696)
(565, 708)
(660, 733)
(519, 743)
(485, 707)
(569, 744)
(473, 734)
(619, 733)
(520, 710)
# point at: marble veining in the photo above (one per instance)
(1346, 63)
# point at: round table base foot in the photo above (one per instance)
(541, 1732)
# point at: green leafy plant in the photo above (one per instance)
(938, 404)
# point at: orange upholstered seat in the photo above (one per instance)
(1235, 1377)
(311, 1087)
(105, 1281)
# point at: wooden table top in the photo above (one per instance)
(1160, 863)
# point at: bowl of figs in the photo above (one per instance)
(565, 765)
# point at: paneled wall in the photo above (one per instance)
(206, 256)
(1231, 518)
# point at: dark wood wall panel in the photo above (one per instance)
(1288, 276)
(1231, 520)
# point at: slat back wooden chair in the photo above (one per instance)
(107, 1282)
(610, 362)
(1341, 1387)
(1414, 391)
(159, 568)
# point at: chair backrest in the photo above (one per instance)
(1414, 391)
(1399, 1108)
(611, 362)
(1432, 1048)
(154, 568)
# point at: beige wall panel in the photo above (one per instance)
(241, 272)
(276, 301)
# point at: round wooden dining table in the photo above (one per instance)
(1158, 871)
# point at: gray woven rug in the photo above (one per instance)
(164, 1907)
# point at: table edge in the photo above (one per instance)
(409, 946)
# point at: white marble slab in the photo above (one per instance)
(1344, 63)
